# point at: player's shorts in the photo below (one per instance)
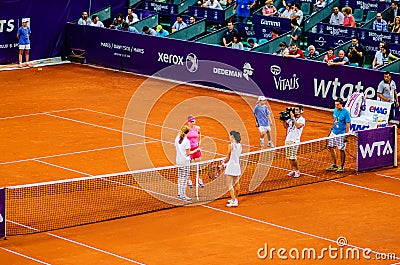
(195, 155)
(25, 46)
(337, 141)
(264, 128)
(291, 150)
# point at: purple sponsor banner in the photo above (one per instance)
(376, 148)
(161, 8)
(333, 30)
(2, 212)
(246, 31)
(269, 21)
(209, 14)
(142, 14)
(374, 5)
(46, 41)
(324, 41)
(295, 80)
(263, 32)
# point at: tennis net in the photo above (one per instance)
(61, 204)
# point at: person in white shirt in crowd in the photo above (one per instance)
(134, 17)
(149, 31)
(337, 17)
(96, 22)
(179, 24)
(84, 20)
(213, 4)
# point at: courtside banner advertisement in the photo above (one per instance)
(376, 148)
(2, 212)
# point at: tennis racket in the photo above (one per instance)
(214, 171)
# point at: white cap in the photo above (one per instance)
(262, 98)
(25, 20)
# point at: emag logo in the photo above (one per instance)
(379, 148)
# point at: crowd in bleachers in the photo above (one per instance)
(295, 10)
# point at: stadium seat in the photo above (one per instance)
(262, 41)
(370, 15)
(306, 8)
(358, 15)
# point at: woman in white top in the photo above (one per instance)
(233, 170)
(183, 153)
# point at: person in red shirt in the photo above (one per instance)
(294, 52)
(330, 55)
(348, 20)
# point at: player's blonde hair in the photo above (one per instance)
(182, 133)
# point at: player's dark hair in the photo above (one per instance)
(236, 135)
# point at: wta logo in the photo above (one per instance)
(380, 148)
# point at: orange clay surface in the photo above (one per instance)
(67, 122)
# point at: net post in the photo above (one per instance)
(3, 213)
(395, 146)
(197, 181)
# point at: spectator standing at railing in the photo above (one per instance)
(319, 4)
(297, 14)
(356, 52)
(84, 20)
(340, 60)
(252, 43)
(283, 49)
(213, 4)
(243, 9)
(133, 19)
(179, 24)
(192, 20)
(237, 42)
(337, 17)
(379, 23)
(330, 55)
(228, 35)
(348, 20)
(312, 53)
(396, 25)
(393, 13)
(295, 34)
(269, 9)
(96, 22)
(382, 56)
(387, 91)
(117, 22)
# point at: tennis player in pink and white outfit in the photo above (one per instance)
(194, 136)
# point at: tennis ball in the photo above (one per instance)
(39, 69)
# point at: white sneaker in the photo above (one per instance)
(270, 144)
(290, 174)
(234, 203)
(262, 142)
(189, 183)
(184, 198)
(297, 174)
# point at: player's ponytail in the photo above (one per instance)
(184, 131)
(236, 135)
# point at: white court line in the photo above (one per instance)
(25, 256)
(285, 228)
(74, 153)
(38, 113)
(65, 168)
(81, 244)
(386, 176)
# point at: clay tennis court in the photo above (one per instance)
(67, 122)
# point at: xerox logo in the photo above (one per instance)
(170, 58)
(380, 148)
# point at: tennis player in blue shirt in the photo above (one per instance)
(261, 112)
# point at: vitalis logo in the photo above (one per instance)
(284, 83)
(247, 71)
(369, 151)
(191, 62)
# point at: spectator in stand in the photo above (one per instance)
(149, 31)
(348, 20)
(337, 17)
(252, 44)
(283, 49)
(161, 32)
(312, 53)
(356, 53)
(213, 4)
(340, 60)
(297, 14)
(237, 42)
(192, 20)
(179, 24)
(379, 23)
(269, 9)
(230, 3)
(294, 52)
(96, 22)
(396, 25)
(393, 13)
(228, 35)
(84, 20)
(274, 33)
(288, 12)
(117, 22)
(387, 91)
(319, 4)
(285, 3)
(243, 9)
(383, 56)
(330, 55)
(133, 19)
(295, 34)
